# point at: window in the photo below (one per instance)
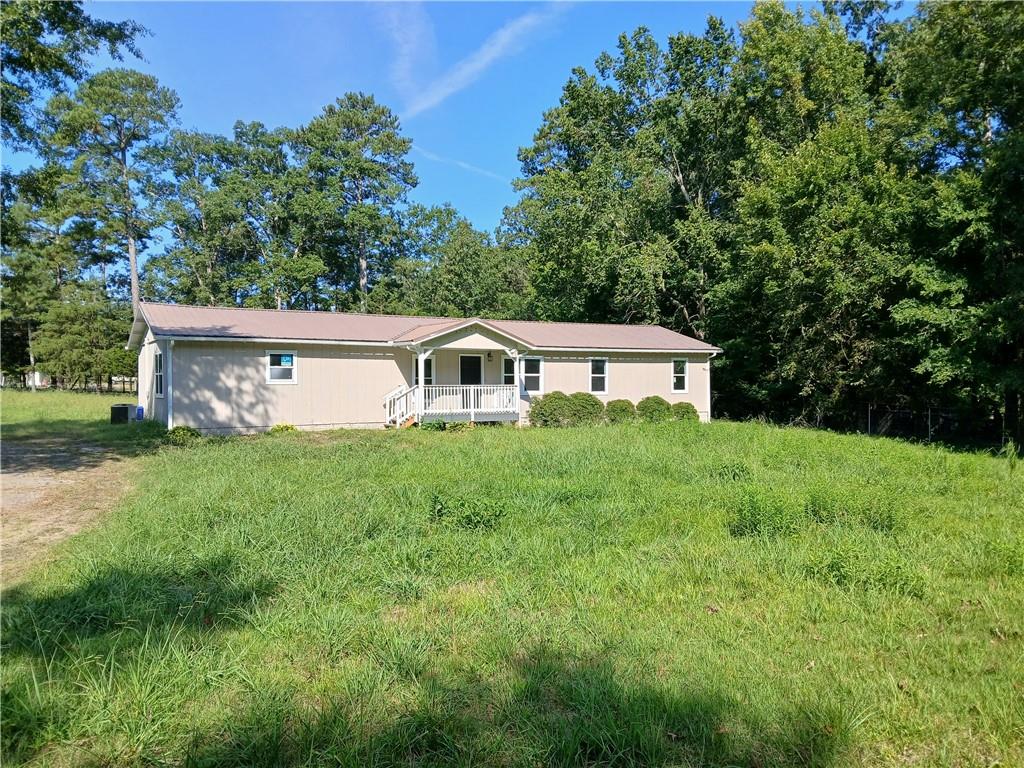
(678, 375)
(280, 367)
(508, 371)
(599, 376)
(532, 379)
(428, 371)
(158, 374)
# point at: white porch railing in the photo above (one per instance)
(440, 400)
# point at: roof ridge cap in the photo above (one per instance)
(299, 311)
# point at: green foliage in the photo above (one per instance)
(685, 412)
(654, 408)
(81, 338)
(282, 429)
(766, 512)
(857, 566)
(470, 514)
(45, 45)
(233, 573)
(585, 408)
(556, 409)
(620, 411)
(183, 436)
(109, 134)
(551, 410)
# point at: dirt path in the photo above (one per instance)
(50, 489)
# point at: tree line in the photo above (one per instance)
(833, 196)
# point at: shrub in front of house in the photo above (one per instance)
(684, 412)
(585, 409)
(551, 410)
(184, 436)
(654, 408)
(620, 412)
(279, 429)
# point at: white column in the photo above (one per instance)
(169, 382)
(421, 372)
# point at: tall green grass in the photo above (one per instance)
(664, 594)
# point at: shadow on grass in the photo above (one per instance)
(555, 710)
(111, 615)
(68, 444)
(117, 606)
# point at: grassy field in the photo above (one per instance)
(46, 414)
(696, 595)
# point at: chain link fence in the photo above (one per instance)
(933, 424)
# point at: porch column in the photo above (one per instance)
(421, 371)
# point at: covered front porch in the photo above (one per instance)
(466, 374)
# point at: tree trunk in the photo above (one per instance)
(31, 360)
(129, 227)
(1011, 415)
(133, 265)
(363, 277)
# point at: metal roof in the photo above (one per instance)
(182, 321)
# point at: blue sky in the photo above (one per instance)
(469, 80)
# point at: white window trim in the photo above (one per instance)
(416, 370)
(483, 371)
(162, 374)
(590, 376)
(515, 370)
(541, 374)
(686, 375)
(295, 367)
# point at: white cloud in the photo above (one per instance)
(433, 156)
(412, 33)
(511, 38)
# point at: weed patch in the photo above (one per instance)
(856, 566)
(467, 514)
(766, 512)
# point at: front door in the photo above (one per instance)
(471, 369)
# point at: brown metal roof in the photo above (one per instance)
(182, 321)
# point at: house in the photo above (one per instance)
(224, 370)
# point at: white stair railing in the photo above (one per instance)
(399, 404)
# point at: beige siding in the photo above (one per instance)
(224, 387)
(632, 377)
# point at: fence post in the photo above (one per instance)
(869, 419)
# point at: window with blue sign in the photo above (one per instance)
(281, 367)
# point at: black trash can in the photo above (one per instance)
(121, 413)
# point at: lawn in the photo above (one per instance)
(678, 594)
(53, 414)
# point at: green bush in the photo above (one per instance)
(458, 426)
(279, 429)
(432, 426)
(763, 512)
(551, 410)
(684, 412)
(584, 408)
(184, 436)
(654, 408)
(620, 411)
